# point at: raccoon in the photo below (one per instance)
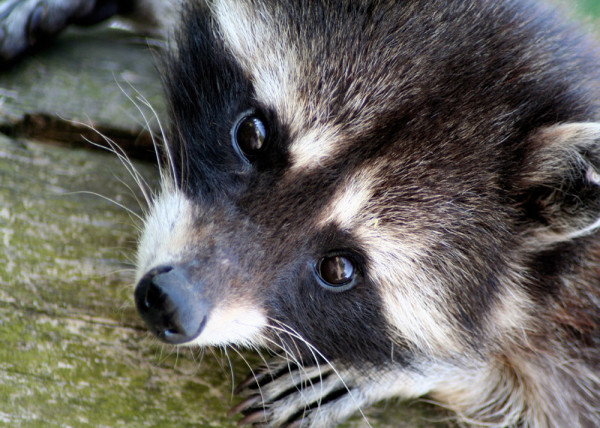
(396, 198)
(399, 198)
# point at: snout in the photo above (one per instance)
(168, 302)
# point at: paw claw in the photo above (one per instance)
(253, 418)
(252, 382)
(244, 405)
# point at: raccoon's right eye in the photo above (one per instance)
(249, 135)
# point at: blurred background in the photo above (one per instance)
(590, 7)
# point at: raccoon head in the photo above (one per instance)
(364, 182)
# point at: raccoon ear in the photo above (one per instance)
(560, 190)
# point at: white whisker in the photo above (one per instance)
(120, 205)
(231, 371)
(252, 372)
(293, 333)
(144, 101)
(125, 161)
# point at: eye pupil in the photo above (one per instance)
(250, 135)
(336, 270)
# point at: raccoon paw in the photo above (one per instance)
(293, 396)
(28, 23)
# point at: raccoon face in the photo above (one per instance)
(363, 183)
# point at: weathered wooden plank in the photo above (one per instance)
(98, 78)
(73, 351)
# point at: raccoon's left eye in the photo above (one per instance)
(336, 273)
(249, 135)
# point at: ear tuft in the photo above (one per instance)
(560, 187)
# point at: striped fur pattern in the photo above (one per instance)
(449, 151)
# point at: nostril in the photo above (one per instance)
(181, 329)
(148, 293)
(154, 297)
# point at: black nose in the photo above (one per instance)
(170, 304)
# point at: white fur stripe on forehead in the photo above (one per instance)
(347, 208)
(258, 43)
(314, 148)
